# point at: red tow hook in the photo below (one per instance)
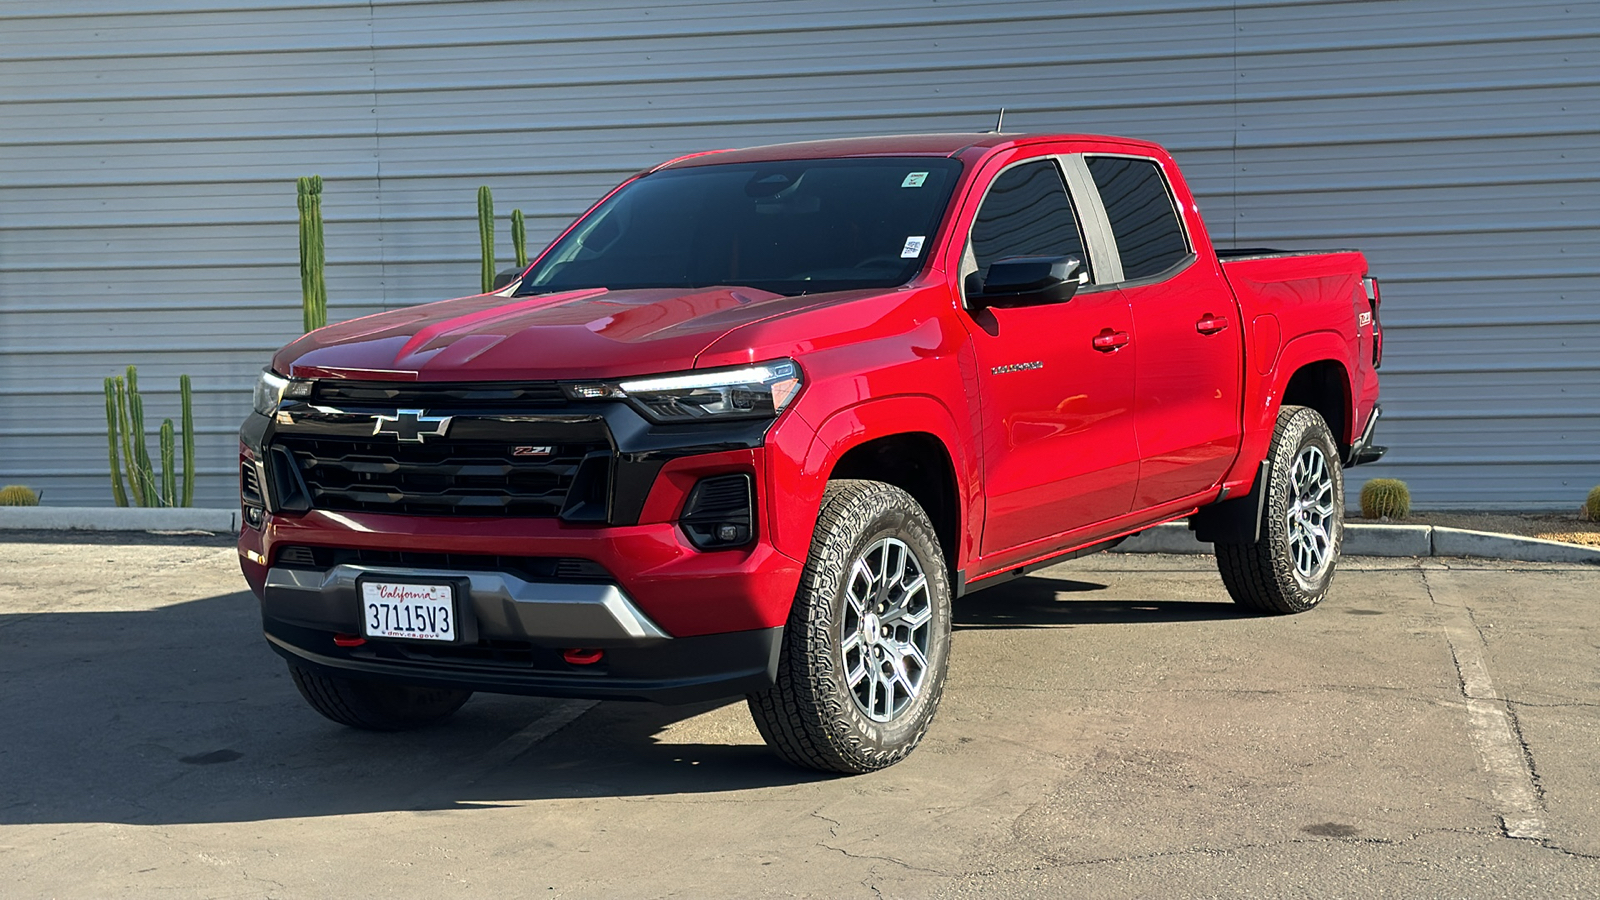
(581, 657)
(348, 640)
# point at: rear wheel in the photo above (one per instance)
(375, 705)
(1289, 567)
(863, 660)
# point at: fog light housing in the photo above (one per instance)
(720, 512)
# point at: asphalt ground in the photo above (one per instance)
(1112, 727)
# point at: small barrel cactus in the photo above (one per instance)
(1385, 498)
(1591, 506)
(17, 495)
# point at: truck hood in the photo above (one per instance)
(573, 335)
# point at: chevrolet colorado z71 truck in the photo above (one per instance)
(754, 421)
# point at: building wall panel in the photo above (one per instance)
(147, 210)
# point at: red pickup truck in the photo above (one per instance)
(754, 421)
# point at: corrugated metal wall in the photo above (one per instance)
(147, 165)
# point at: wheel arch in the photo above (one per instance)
(1323, 385)
(872, 440)
(918, 463)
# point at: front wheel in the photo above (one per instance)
(864, 654)
(375, 705)
(1289, 567)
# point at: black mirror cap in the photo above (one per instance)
(1024, 280)
(505, 278)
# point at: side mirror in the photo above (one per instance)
(1027, 280)
(505, 278)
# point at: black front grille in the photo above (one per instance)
(477, 395)
(439, 477)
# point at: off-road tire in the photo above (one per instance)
(375, 705)
(1262, 575)
(809, 717)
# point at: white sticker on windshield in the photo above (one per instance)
(913, 247)
(915, 179)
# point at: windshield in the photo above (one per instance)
(796, 227)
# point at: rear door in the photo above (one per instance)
(1056, 379)
(1188, 377)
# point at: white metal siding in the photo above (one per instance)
(147, 159)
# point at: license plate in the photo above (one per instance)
(418, 612)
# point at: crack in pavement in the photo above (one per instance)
(888, 859)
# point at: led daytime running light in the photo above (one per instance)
(752, 375)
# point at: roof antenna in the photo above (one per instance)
(999, 121)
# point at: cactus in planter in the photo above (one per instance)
(313, 287)
(134, 481)
(486, 236)
(1591, 506)
(519, 237)
(1385, 498)
(18, 495)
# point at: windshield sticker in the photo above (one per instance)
(915, 179)
(913, 247)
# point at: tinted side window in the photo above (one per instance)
(1027, 213)
(1143, 221)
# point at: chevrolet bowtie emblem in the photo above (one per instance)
(411, 425)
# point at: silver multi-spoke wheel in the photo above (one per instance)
(1289, 564)
(1310, 518)
(885, 627)
(864, 654)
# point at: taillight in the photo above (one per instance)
(1375, 300)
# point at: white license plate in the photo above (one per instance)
(418, 612)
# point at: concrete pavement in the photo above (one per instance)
(1112, 727)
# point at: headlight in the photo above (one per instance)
(269, 393)
(749, 392)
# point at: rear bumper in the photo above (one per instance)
(511, 633)
(1363, 450)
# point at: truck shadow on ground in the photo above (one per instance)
(182, 715)
(1041, 602)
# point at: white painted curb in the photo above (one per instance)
(1391, 540)
(1487, 544)
(117, 518)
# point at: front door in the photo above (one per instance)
(1056, 380)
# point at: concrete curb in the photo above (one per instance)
(115, 518)
(1392, 540)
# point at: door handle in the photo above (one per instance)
(1210, 324)
(1107, 340)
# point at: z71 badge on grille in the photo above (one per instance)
(411, 426)
(539, 450)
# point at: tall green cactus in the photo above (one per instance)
(519, 238)
(118, 493)
(486, 236)
(169, 465)
(136, 440)
(133, 478)
(186, 400)
(313, 287)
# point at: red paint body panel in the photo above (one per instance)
(1087, 446)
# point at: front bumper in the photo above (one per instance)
(512, 633)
